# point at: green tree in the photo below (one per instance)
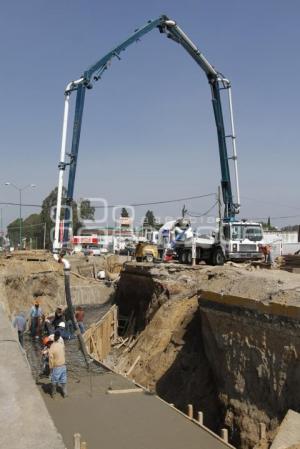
(267, 226)
(124, 212)
(291, 228)
(149, 220)
(33, 231)
(87, 212)
(34, 226)
(13, 230)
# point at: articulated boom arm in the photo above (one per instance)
(94, 73)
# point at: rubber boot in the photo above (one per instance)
(53, 390)
(64, 390)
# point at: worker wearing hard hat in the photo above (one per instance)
(58, 316)
(52, 321)
(47, 342)
(57, 364)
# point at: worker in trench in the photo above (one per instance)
(52, 321)
(20, 324)
(79, 315)
(36, 319)
(57, 365)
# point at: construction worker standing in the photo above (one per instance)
(57, 364)
(36, 315)
(20, 323)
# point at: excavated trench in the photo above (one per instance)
(225, 339)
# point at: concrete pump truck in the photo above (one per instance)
(235, 239)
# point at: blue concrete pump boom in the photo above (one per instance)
(94, 73)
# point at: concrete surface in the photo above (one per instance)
(123, 421)
(289, 431)
(24, 419)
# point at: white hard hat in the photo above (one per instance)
(62, 324)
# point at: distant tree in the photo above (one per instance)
(13, 230)
(291, 228)
(87, 212)
(267, 226)
(33, 230)
(34, 226)
(149, 220)
(124, 212)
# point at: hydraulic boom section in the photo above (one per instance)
(94, 73)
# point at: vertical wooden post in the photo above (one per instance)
(200, 418)
(224, 435)
(115, 323)
(262, 430)
(190, 412)
(77, 438)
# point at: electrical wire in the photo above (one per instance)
(18, 204)
(151, 203)
(276, 218)
(193, 215)
(176, 200)
(273, 203)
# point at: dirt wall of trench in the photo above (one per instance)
(255, 359)
(239, 365)
(23, 282)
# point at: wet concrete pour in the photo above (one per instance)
(137, 420)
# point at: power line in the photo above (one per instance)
(177, 200)
(205, 213)
(276, 218)
(18, 204)
(273, 203)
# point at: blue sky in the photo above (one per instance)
(148, 131)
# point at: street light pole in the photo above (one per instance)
(20, 218)
(20, 190)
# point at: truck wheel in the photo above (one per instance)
(218, 257)
(184, 257)
(149, 258)
(189, 258)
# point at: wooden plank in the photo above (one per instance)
(95, 347)
(133, 365)
(77, 438)
(126, 391)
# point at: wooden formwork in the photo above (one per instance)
(101, 335)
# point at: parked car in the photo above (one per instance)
(92, 250)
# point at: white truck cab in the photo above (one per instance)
(241, 240)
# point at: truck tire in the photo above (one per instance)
(189, 258)
(149, 258)
(184, 257)
(218, 257)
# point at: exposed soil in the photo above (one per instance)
(29, 276)
(205, 357)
